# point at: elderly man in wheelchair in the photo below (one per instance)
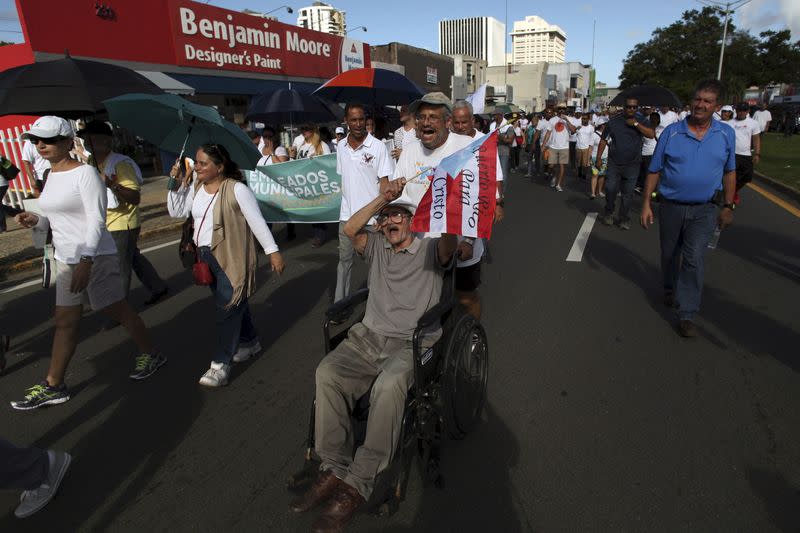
(405, 281)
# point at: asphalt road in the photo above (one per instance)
(599, 417)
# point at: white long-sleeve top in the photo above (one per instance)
(74, 206)
(184, 201)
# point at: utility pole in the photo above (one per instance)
(728, 8)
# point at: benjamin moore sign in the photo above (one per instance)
(210, 37)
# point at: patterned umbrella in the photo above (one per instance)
(370, 86)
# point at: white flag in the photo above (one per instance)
(478, 100)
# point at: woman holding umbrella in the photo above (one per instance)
(227, 222)
(74, 207)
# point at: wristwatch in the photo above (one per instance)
(87, 259)
(732, 207)
(635, 124)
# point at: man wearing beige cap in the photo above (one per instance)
(405, 281)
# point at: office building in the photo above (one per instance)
(429, 70)
(323, 17)
(479, 37)
(534, 40)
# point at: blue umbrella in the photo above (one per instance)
(177, 125)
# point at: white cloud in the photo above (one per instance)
(760, 15)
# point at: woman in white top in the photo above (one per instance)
(314, 147)
(74, 208)
(227, 222)
(272, 152)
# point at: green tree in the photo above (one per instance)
(687, 51)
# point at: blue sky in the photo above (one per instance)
(621, 24)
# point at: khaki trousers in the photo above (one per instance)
(342, 377)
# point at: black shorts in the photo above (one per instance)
(744, 170)
(468, 278)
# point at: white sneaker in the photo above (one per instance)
(246, 351)
(553, 182)
(33, 500)
(216, 376)
(559, 189)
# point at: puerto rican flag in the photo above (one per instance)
(462, 196)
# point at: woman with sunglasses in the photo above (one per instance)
(74, 208)
(227, 222)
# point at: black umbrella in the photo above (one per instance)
(648, 95)
(289, 105)
(70, 88)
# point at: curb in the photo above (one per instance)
(775, 184)
(34, 262)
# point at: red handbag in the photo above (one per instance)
(201, 272)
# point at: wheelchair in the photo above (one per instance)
(446, 398)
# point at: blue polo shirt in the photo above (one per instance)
(691, 169)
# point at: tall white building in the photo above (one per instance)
(534, 40)
(322, 17)
(479, 37)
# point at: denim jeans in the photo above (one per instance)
(685, 231)
(234, 325)
(22, 468)
(505, 164)
(620, 177)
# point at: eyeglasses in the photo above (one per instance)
(396, 217)
(47, 140)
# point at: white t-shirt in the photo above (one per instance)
(683, 114)
(299, 141)
(745, 129)
(31, 155)
(542, 127)
(74, 204)
(668, 118)
(559, 134)
(306, 150)
(761, 116)
(266, 160)
(185, 201)
(649, 145)
(416, 157)
(583, 136)
(361, 170)
(575, 121)
(596, 145)
(404, 137)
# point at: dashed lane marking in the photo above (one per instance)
(576, 252)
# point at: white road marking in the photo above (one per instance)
(576, 252)
(38, 281)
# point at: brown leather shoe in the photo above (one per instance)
(339, 510)
(687, 329)
(321, 490)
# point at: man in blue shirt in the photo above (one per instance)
(693, 158)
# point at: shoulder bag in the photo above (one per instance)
(201, 272)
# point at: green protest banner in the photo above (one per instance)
(306, 190)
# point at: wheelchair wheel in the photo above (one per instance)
(466, 371)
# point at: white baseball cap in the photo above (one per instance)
(726, 108)
(49, 126)
(340, 129)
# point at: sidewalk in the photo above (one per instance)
(16, 247)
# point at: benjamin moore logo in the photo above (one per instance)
(352, 54)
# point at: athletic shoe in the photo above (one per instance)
(687, 329)
(626, 225)
(33, 500)
(592, 196)
(146, 365)
(245, 351)
(216, 376)
(608, 220)
(602, 194)
(552, 183)
(41, 395)
(637, 190)
(528, 176)
(559, 189)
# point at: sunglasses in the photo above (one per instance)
(47, 140)
(631, 107)
(396, 217)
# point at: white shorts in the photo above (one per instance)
(105, 284)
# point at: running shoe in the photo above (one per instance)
(608, 220)
(41, 395)
(33, 500)
(146, 365)
(552, 183)
(559, 189)
(246, 351)
(626, 225)
(216, 376)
